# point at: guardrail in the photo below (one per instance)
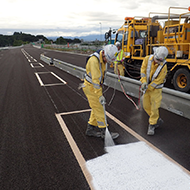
(10, 47)
(74, 46)
(173, 101)
(4, 48)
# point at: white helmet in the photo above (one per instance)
(110, 52)
(118, 44)
(161, 53)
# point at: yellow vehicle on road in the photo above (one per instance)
(139, 37)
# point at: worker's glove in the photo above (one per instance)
(123, 59)
(102, 100)
(81, 85)
(144, 86)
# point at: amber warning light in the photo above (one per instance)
(129, 18)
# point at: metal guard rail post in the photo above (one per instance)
(173, 101)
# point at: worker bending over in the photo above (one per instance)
(119, 63)
(153, 74)
(92, 87)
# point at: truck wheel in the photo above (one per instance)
(181, 80)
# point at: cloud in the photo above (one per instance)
(73, 17)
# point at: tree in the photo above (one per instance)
(76, 40)
(17, 42)
(61, 40)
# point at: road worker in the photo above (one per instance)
(95, 72)
(119, 63)
(153, 74)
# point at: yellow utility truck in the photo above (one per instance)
(140, 36)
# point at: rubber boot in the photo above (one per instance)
(93, 131)
(151, 129)
(113, 135)
(159, 122)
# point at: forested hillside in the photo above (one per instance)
(19, 38)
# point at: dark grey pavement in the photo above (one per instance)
(34, 152)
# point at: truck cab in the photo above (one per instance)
(140, 36)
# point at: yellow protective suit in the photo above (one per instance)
(93, 90)
(153, 96)
(118, 66)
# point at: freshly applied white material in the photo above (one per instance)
(136, 166)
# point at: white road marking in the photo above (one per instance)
(27, 56)
(39, 79)
(37, 66)
(53, 84)
(58, 78)
(45, 72)
(41, 65)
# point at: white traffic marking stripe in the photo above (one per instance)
(41, 65)
(37, 66)
(27, 56)
(53, 84)
(58, 78)
(39, 79)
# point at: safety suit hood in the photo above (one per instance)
(161, 53)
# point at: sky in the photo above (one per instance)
(121, 168)
(73, 17)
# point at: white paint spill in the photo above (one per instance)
(136, 166)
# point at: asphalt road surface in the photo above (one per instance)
(39, 101)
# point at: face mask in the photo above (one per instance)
(158, 61)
